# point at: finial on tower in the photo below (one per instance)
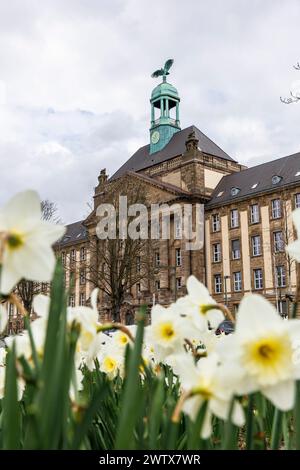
(164, 71)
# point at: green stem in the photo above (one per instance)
(230, 434)
(276, 429)
(297, 416)
(195, 440)
(249, 423)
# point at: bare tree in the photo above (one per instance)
(120, 263)
(26, 290)
(293, 98)
(50, 211)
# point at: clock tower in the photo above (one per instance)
(164, 111)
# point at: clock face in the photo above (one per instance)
(155, 137)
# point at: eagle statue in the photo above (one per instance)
(164, 71)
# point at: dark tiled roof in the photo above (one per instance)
(142, 159)
(257, 179)
(75, 233)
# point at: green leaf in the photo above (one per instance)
(130, 399)
(156, 415)
(11, 423)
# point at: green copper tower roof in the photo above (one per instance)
(164, 89)
(164, 110)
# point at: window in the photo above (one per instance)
(234, 191)
(72, 278)
(297, 201)
(138, 264)
(11, 310)
(157, 258)
(220, 193)
(237, 281)
(44, 287)
(235, 308)
(298, 173)
(234, 218)
(72, 300)
(178, 228)
(218, 283)
(278, 242)
(282, 307)
(280, 276)
(217, 252)
(276, 209)
(254, 186)
(82, 277)
(235, 249)
(256, 245)
(138, 288)
(258, 279)
(157, 285)
(178, 256)
(63, 258)
(254, 214)
(276, 179)
(82, 253)
(82, 299)
(73, 255)
(215, 222)
(178, 282)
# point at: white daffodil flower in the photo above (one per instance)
(261, 353)
(88, 357)
(3, 318)
(293, 248)
(206, 382)
(3, 353)
(120, 339)
(111, 362)
(20, 384)
(88, 319)
(76, 385)
(26, 242)
(166, 332)
(194, 305)
(22, 344)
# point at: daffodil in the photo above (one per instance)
(3, 318)
(111, 362)
(293, 248)
(20, 384)
(26, 242)
(261, 352)
(205, 382)
(88, 319)
(197, 305)
(167, 331)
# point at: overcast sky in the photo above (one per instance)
(75, 84)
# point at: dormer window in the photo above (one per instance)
(276, 179)
(234, 191)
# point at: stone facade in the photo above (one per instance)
(190, 168)
(267, 258)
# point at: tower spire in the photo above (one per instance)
(164, 98)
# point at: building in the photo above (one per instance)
(247, 220)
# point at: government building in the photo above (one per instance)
(247, 224)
